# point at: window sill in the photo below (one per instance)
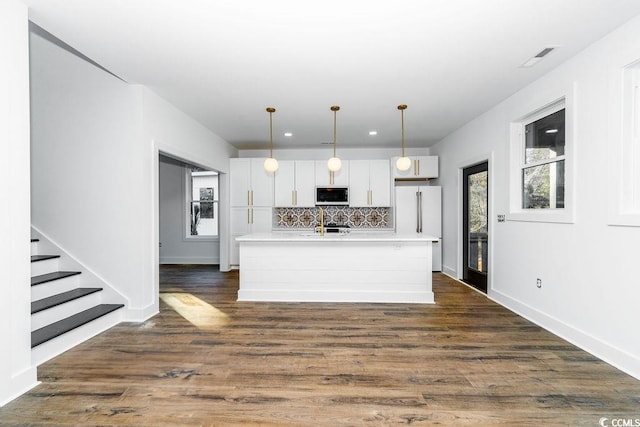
(624, 220)
(559, 216)
(201, 239)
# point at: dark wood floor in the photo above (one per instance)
(464, 360)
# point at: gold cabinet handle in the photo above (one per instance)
(248, 197)
(248, 215)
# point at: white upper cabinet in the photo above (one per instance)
(380, 182)
(369, 183)
(421, 167)
(326, 178)
(294, 183)
(251, 185)
(284, 183)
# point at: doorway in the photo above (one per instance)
(475, 223)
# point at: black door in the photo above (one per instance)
(476, 225)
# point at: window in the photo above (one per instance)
(543, 167)
(624, 149)
(202, 203)
(540, 181)
(631, 141)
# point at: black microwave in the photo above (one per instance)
(327, 196)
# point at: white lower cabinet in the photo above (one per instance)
(247, 220)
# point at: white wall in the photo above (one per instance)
(176, 249)
(175, 133)
(96, 143)
(88, 167)
(590, 289)
(16, 373)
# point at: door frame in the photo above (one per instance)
(473, 161)
(471, 276)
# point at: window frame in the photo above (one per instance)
(188, 199)
(517, 165)
(624, 146)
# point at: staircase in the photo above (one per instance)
(64, 311)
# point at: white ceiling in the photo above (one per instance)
(224, 61)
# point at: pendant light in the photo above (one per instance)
(403, 163)
(271, 164)
(334, 164)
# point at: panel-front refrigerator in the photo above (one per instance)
(419, 210)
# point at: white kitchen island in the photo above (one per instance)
(354, 267)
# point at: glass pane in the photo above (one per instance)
(204, 220)
(544, 138)
(478, 219)
(543, 186)
(204, 203)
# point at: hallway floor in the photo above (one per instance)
(207, 359)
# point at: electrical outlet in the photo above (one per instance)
(539, 283)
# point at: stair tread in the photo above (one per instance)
(35, 258)
(60, 327)
(49, 277)
(61, 298)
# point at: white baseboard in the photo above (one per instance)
(451, 272)
(140, 315)
(610, 354)
(19, 384)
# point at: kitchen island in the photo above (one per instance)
(335, 267)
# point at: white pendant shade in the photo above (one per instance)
(334, 164)
(403, 163)
(270, 164)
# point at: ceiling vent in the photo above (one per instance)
(537, 57)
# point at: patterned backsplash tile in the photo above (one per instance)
(362, 218)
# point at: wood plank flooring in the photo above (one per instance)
(464, 360)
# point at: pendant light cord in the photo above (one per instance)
(271, 134)
(334, 132)
(271, 110)
(402, 107)
(335, 109)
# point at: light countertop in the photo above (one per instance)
(359, 236)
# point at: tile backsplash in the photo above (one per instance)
(358, 218)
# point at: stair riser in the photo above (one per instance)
(49, 316)
(44, 267)
(34, 248)
(50, 349)
(54, 287)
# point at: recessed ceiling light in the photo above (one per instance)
(373, 132)
(551, 131)
(288, 134)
